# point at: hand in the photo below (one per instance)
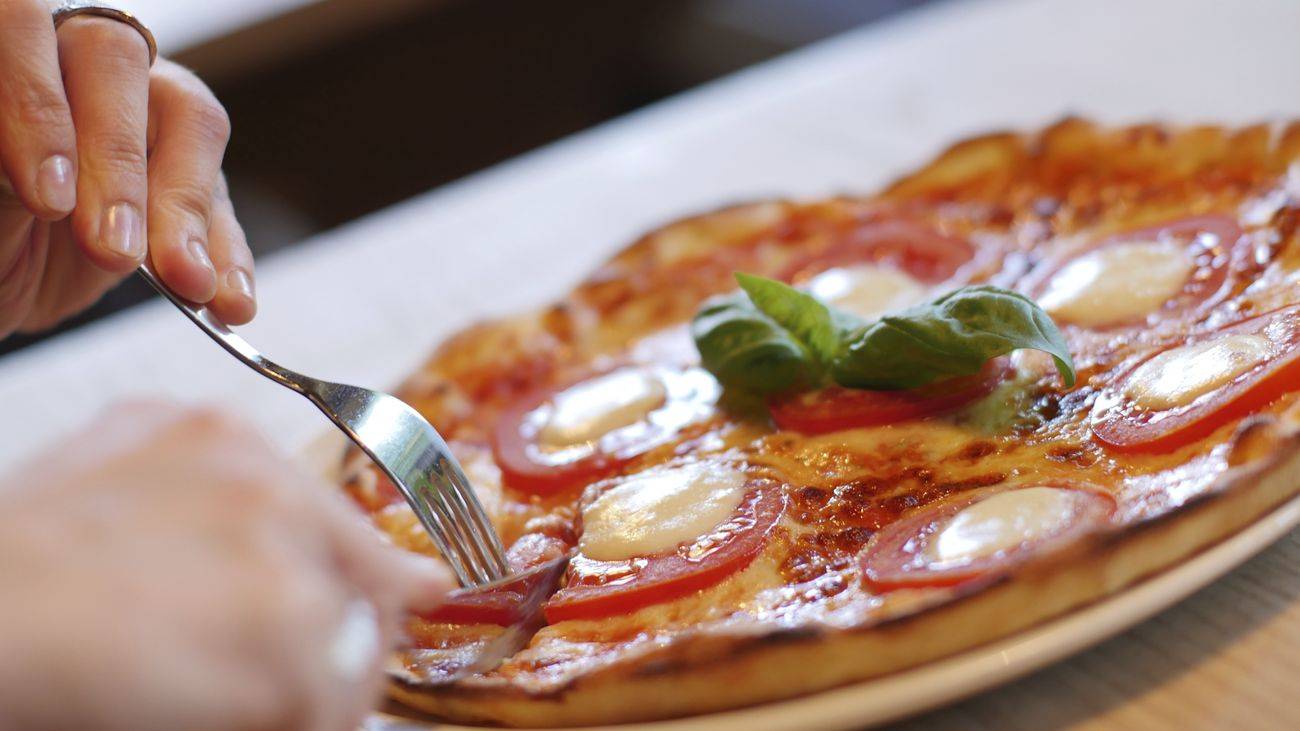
(164, 569)
(99, 156)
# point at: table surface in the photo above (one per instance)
(365, 303)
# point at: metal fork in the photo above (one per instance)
(397, 438)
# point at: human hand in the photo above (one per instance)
(100, 154)
(165, 569)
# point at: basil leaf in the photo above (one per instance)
(746, 349)
(952, 336)
(771, 337)
(803, 316)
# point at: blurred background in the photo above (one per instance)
(343, 107)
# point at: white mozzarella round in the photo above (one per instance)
(866, 290)
(1002, 522)
(657, 511)
(589, 410)
(1179, 376)
(1117, 283)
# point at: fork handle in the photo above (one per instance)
(447, 471)
(214, 328)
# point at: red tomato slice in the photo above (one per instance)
(538, 560)
(897, 556)
(1119, 424)
(908, 246)
(1212, 239)
(836, 409)
(602, 588)
(529, 467)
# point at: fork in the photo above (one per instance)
(396, 437)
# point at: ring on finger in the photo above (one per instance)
(72, 8)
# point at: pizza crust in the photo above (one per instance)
(719, 673)
(1097, 178)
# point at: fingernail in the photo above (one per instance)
(239, 280)
(199, 253)
(54, 184)
(121, 231)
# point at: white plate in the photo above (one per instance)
(934, 684)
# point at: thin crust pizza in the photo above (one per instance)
(1025, 377)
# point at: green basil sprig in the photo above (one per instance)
(747, 350)
(771, 337)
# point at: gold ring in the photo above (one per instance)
(73, 8)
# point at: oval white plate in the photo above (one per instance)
(910, 692)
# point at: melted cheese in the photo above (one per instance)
(866, 290)
(1117, 283)
(593, 408)
(1002, 522)
(1179, 376)
(656, 511)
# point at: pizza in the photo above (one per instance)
(886, 499)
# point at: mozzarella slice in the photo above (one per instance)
(1179, 376)
(1002, 522)
(866, 290)
(1117, 283)
(593, 408)
(657, 511)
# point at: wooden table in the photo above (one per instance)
(365, 302)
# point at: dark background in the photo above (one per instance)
(451, 87)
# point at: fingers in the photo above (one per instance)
(395, 580)
(350, 592)
(326, 647)
(106, 74)
(188, 132)
(235, 302)
(85, 128)
(37, 141)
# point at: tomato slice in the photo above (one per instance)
(529, 466)
(906, 245)
(1120, 424)
(900, 556)
(836, 409)
(537, 561)
(1211, 239)
(597, 589)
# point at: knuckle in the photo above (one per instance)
(191, 102)
(118, 153)
(190, 198)
(124, 152)
(209, 119)
(192, 110)
(40, 106)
